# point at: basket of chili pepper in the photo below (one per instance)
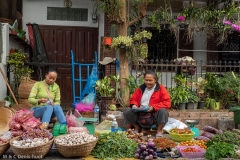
(191, 151)
(180, 135)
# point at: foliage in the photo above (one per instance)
(211, 103)
(214, 87)
(192, 97)
(16, 62)
(114, 145)
(10, 99)
(163, 15)
(143, 49)
(121, 40)
(145, 34)
(111, 8)
(179, 93)
(200, 85)
(104, 88)
(221, 150)
(230, 84)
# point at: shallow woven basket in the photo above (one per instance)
(32, 152)
(25, 87)
(6, 115)
(3, 148)
(81, 150)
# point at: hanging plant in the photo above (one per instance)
(121, 40)
(143, 49)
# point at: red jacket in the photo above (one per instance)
(159, 99)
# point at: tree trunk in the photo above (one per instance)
(124, 71)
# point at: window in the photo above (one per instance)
(67, 14)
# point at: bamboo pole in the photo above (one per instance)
(5, 79)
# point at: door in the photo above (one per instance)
(58, 41)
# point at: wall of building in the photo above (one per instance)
(35, 11)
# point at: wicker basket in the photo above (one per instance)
(33, 152)
(181, 137)
(3, 148)
(25, 87)
(5, 117)
(81, 150)
(18, 107)
(2, 103)
(6, 20)
(87, 114)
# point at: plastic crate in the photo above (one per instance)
(199, 154)
(181, 137)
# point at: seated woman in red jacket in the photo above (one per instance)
(153, 96)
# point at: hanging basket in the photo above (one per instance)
(108, 41)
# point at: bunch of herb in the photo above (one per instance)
(114, 145)
(221, 150)
(227, 137)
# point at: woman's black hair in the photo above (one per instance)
(151, 73)
(52, 70)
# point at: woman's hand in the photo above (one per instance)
(150, 109)
(42, 100)
(134, 106)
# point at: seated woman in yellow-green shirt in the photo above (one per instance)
(45, 98)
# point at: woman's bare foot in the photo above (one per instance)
(137, 128)
(143, 131)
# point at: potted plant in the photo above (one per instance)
(106, 93)
(121, 41)
(179, 93)
(192, 100)
(145, 36)
(200, 85)
(21, 33)
(16, 62)
(213, 91)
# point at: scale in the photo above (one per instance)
(89, 123)
(191, 124)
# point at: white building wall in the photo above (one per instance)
(35, 11)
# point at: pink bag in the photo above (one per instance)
(73, 121)
(23, 115)
(83, 107)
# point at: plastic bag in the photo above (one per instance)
(73, 121)
(89, 99)
(14, 125)
(33, 122)
(173, 123)
(23, 115)
(82, 107)
(93, 77)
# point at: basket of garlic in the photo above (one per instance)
(35, 148)
(78, 144)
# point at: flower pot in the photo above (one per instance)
(136, 43)
(228, 106)
(190, 105)
(216, 106)
(144, 40)
(122, 46)
(108, 41)
(13, 32)
(201, 104)
(12, 51)
(181, 106)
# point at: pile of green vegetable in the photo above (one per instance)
(114, 145)
(223, 145)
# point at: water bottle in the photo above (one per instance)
(96, 113)
(114, 126)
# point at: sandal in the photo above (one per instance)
(159, 135)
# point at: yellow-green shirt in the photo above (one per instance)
(39, 91)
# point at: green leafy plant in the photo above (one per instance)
(145, 34)
(10, 99)
(192, 97)
(200, 85)
(121, 40)
(16, 62)
(104, 88)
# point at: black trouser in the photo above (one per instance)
(131, 117)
